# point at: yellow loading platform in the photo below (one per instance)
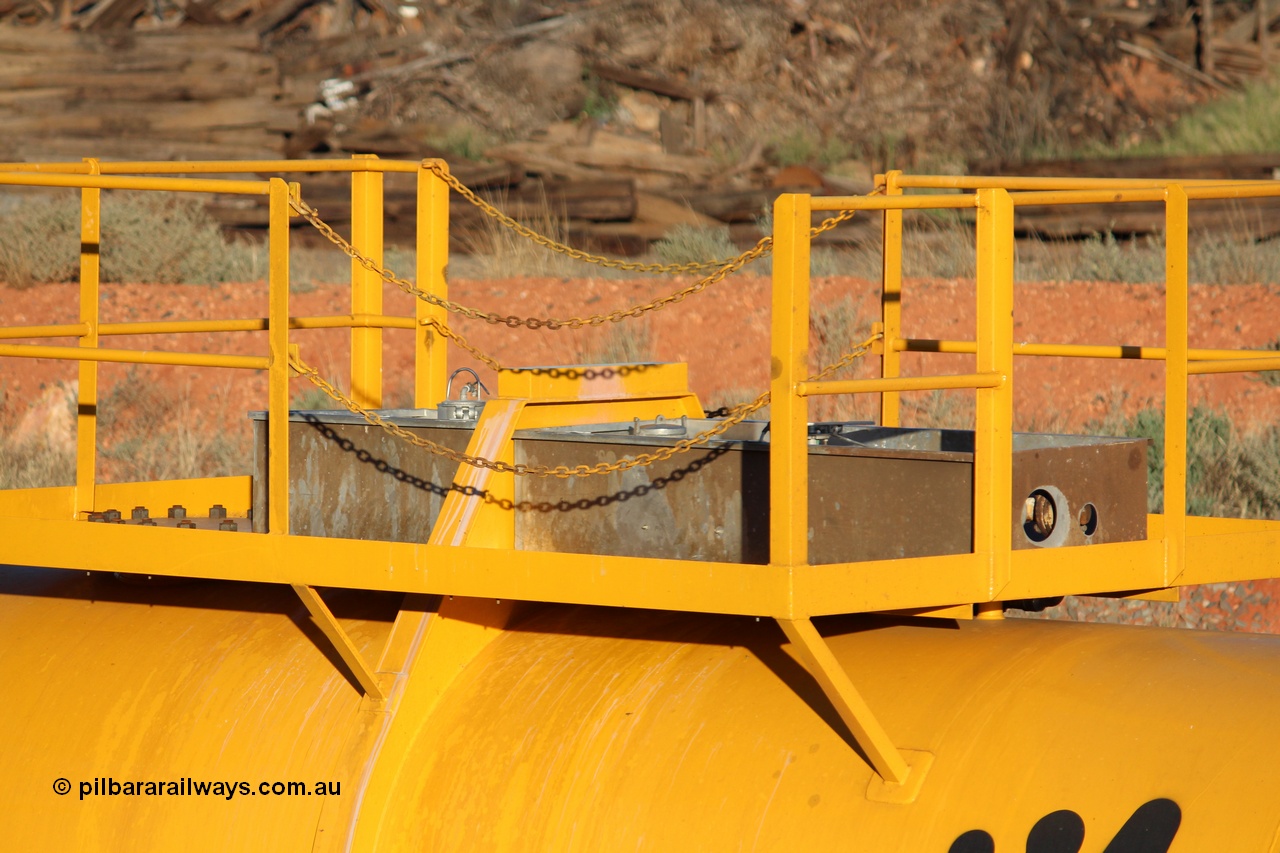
(494, 683)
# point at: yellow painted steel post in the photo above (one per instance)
(993, 438)
(87, 391)
(1175, 383)
(891, 302)
(366, 285)
(278, 346)
(788, 424)
(431, 355)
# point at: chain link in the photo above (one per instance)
(760, 250)
(462, 343)
(442, 172)
(736, 415)
(723, 269)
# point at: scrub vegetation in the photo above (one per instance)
(41, 243)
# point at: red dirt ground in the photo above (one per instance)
(723, 334)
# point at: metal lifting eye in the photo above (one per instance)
(468, 404)
(660, 426)
(470, 390)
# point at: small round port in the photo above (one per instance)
(1088, 519)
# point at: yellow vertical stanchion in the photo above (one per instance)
(278, 346)
(789, 480)
(431, 362)
(87, 392)
(891, 302)
(788, 422)
(993, 436)
(1175, 383)
(366, 285)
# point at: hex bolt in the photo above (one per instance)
(140, 513)
(96, 516)
(178, 511)
(111, 515)
(217, 511)
(228, 524)
(147, 522)
(188, 523)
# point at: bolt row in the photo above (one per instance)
(142, 516)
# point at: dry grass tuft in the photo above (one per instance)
(147, 434)
(627, 342)
(158, 238)
(499, 252)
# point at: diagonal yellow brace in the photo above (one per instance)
(867, 731)
(341, 642)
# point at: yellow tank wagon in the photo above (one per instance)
(579, 615)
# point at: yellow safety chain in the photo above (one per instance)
(512, 321)
(442, 172)
(462, 343)
(723, 270)
(735, 416)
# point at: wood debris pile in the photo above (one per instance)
(623, 117)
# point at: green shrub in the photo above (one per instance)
(946, 248)
(626, 342)
(1229, 474)
(688, 243)
(1104, 258)
(500, 252)
(1239, 123)
(35, 464)
(132, 448)
(798, 148)
(145, 237)
(311, 399)
(1234, 260)
(40, 242)
(836, 329)
(463, 141)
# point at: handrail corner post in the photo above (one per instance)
(278, 370)
(891, 302)
(789, 412)
(87, 384)
(993, 428)
(1176, 371)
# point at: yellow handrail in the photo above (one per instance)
(980, 576)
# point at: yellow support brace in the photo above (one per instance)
(871, 737)
(346, 649)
